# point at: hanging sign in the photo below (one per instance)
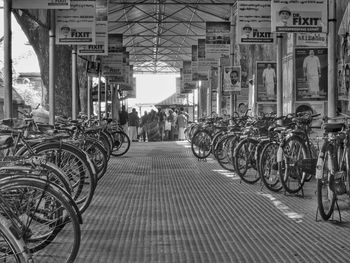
(299, 16)
(101, 46)
(77, 24)
(217, 39)
(311, 39)
(41, 4)
(254, 22)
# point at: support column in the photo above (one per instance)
(279, 77)
(332, 73)
(233, 96)
(89, 96)
(199, 100)
(209, 100)
(114, 98)
(99, 96)
(106, 98)
(7, 60)
(52, 74)
(219, 93)
(74, 83)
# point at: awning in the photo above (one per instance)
(172, 101)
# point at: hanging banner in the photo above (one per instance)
(115, 43)
(112, 65)
(101, 46)
(254, 22)
(77, 24)
(232, 79)
(266, 80)
(311, 73)
(299, 16)
(93, 68)
(194, 63)
(217, 39)
(41, 4)
(214, 78)
(311, 39)
(187, 76)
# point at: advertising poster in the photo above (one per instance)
(343, 78)
(93, 68)
(76, 26)
(101, 46)
(217, 39)
(266, 80)
(232, 79)
(214, 73)
(201, 49)
(188, 84)
(311, 70)
(115, 43)
(311, 39)
(254, 22)
(41, 4)
(194, 63)
(295, 16)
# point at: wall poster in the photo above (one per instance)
(266, 80)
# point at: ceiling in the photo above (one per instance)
(159, 34)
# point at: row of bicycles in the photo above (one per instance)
(48, 176)
(281, 152)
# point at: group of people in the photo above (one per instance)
(154, 125)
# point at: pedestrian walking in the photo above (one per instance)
(161, 123)
(133, 125)
(124, 119)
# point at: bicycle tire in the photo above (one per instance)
(325, 197)
(291, 175)
(224, 150)
(244, 160)
(201, 144)
(121, 143)
(268, 167)
(47, 239)
(75, 164)
(12, 248)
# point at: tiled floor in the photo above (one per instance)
(159, 204)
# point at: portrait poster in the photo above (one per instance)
(311, 73)
(254, 22)
(266, 80)
(295, 16)
(232, 79)
(41, 4)
(343, 78)
(77, 25)
(217, 39)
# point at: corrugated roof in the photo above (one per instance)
(159, 33)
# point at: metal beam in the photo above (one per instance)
(173, 3)
(168, 35)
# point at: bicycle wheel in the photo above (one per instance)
(244, 160)
(325, 197)
(77, 167)
(121, 143)
(201, 144)
(50, 225)
(290, 167)
(268, 167)
(12, 248)
(224, 151)
(97, 154)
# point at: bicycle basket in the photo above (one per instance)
(337, 183)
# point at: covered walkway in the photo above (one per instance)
(159, 204)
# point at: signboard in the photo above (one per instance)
(217, 39)
(299, 16)
(201, 49)
(266, 80)
(311, 39)
(101, 46)
(194, 63)
(41, 4)
(311, 73)
(93, 68)
(76, 25)
(112, 65)
(232, 79)
(254, 22)
(187, 75)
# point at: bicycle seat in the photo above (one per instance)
(333, 127)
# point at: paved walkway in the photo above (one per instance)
(159, 204)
